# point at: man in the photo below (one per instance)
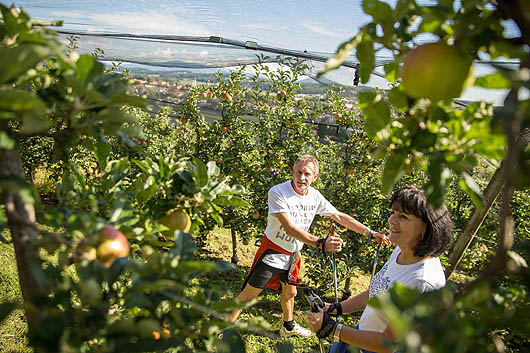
(292, 207)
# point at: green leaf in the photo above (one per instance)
(391, 71)
(6, 142)
(17, 100)
(16, 61)
(102, 150)
(231, 342)
(495, 80)
(35, 123)
(435, 189)
(376, 112)
(342, 53)
(398, 322)
(231, 201)
(213, 169)
(470, 187)
(398, 98)
(394, 169)
(88, 68)
(366, 55)
(380, 11)
(200, 172)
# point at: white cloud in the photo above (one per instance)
(321, 29)
(263, 27)
(152, 22)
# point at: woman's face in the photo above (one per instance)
(406, 230)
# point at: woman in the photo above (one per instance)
(421, 235)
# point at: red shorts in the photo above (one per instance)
(268, 247)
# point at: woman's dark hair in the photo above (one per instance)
(439, 230)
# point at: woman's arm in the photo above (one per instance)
(354, 304)
(369, 340)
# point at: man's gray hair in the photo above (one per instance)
(307, 158)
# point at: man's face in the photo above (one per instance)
(303, 175)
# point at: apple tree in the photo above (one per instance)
(416, 125)
(80, 290)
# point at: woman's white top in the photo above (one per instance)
(425, 276)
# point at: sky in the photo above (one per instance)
(302, 25)
(312, 25)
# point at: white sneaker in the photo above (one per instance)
(296, 331)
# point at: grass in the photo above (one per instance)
(268, 306)
(219, 247)
(13, 329)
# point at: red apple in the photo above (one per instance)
(227, 97)
(112, 245)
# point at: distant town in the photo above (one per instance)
(171, 88)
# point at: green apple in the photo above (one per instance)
(436, 71)
(177, 220)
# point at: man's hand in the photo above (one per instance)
(382, 237)
(333, 243)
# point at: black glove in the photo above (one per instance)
(328, 326)
(335, 309)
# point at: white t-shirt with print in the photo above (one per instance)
(301, 210)
(424, 276)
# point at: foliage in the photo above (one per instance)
(448, 142)
(59, 101)
(116, 162)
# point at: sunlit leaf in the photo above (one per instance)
(88, 68)
(6, 142)
(200, 172)
(18, 60)
(341, 54)
(470, 186)
(393, 170)
(376, 112)
(495, 80)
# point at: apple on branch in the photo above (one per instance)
(112, 245)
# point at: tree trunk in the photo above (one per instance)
(475, 221)
(516, 139)
(235, 259)
(21, 222)
(491, 193)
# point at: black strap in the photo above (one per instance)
(328, 326)
(335, 309)
(321, 243)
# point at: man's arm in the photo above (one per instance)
(351, 223)
(332, 243)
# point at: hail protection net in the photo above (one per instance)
(204, 36)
